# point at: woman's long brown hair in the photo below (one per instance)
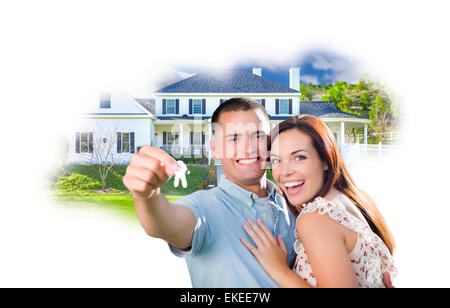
(337, 175)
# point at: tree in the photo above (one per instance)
(103, 145)
(306, 93)
(365, 101)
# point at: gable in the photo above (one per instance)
(120, 105)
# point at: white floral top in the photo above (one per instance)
(370, 257)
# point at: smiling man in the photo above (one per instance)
(205, 227)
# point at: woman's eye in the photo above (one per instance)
(300, 157)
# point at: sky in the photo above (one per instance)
(319, 66)
(57, 56)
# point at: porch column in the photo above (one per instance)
(209, 138)
(180, 139)
(365, 134)
(342, 136)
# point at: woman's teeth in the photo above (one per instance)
(293, 188)
(293, 184)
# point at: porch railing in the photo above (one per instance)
(194, 150)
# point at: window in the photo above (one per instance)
(172, 138)
(197, 138)
(105, 100)
(84, 142)
(197, 106)
(170, 106)
(258, 100)
(284, 106)
(125, 142)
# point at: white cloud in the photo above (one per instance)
(337, 68)
(309, 79)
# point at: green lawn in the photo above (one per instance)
(117, 205)
(115, 184)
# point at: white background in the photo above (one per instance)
(57, 56)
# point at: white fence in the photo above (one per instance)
(356, 153)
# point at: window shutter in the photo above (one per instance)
(290, 106)
(191, 140)
(77, 142)
(177, 106)
(91, 142)
(164, 106)
(119, 142)
(263, 102)
(221, 101)
(164, 138)
(190, 106)
(277, 106)
(203, 106)
(203, 138)
(131, 142)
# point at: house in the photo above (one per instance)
(183, 110)
(178, 117)
(112, 131)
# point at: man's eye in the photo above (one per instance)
(274, 161)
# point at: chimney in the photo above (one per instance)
(257, 71)
(294, 78)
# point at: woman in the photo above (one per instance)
(342, 239)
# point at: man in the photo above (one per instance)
(206, 227)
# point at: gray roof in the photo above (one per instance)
(324, 109)
(147, 103)
(227, 81)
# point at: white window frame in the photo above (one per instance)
(200, 106)
(174, 105)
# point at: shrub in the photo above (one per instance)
(77, 181)
(201, 185)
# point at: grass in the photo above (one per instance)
(115, 184)
(116, 205)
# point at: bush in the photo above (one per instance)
(201, 185)
(76, 182)
(192, 160)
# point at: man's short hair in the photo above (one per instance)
(237, 104)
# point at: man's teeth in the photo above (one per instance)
(293, 184)
(247, 161)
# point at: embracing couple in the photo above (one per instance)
(314, 229)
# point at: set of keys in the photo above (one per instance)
(180, 174)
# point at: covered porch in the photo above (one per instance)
(187, 138)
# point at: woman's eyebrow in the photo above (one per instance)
(292, 153)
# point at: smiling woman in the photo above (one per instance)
(352, 245)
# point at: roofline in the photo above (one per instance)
(346, 120)
(182, 121)
(116, 116)
(141, 107)
(229, 94)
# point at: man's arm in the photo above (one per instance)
(148, 171)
